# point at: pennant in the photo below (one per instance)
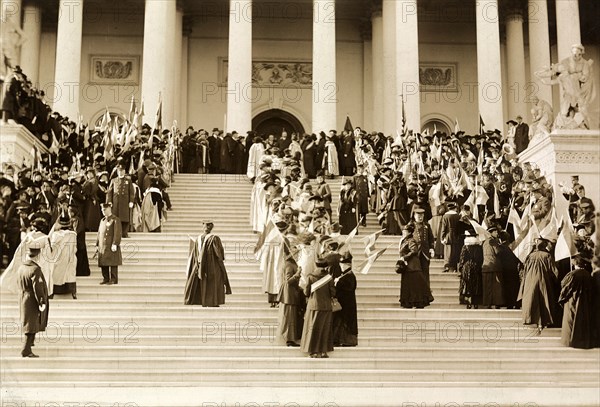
(349, 237)
(456, 126)
(263, 236)
(320, 283)
(565, 244)
(515, 220)
(132, 111)
(55, 147)
(365, 266)
(523, 243)
(370, 240)
(481, 125)
(481, 231)
(496, 204)
(86, 137)
(105, 121)
(348, 125)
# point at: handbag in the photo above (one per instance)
(335, 305)
(401, 267)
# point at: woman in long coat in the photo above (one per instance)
(345, 323)
(576, 297)
(83, 264)
(292, 305)
(309, 151)
(347, 208)
(317, 338)
(469, 267)
(537, 287)
(414, 290)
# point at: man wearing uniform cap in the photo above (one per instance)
(34, 300)
(121, 195)
(108, 246)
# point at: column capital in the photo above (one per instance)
(188, 25)
(366, 30)
(376, 8)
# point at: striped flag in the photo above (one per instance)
(365, 266)
(565, 244)
(349, 237)
(524, 241)
(370, 240)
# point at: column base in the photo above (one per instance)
(568, 152)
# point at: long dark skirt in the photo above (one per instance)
(83, 263)
(414, 291)
(492, 289)
(317, 332)
(342, 333)
(291, 322)
(347, 222)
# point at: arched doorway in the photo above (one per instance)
(436, 124)
(274, 121)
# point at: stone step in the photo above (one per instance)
(321, 371)
(127, 335)
(65, 348)
(248, 364)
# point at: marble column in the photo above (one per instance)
(10, 31)
(515, 63)
(389, 67)
(539, 46)
(157, 71)
(239, 70)
(185, 52)
(67, 76)
(567, 26)
(407, 65)
(324, 104)
(30, 51)
(489, 74)
(377, 67)
(176, 58)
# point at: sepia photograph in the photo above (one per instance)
(200, 198)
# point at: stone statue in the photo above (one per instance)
(542, 118)
(11, 39)
(577, 90)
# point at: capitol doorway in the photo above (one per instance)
(274, 121)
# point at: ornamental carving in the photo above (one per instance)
(297, 74)
(114, 69)
(438, 77)
(576, 157)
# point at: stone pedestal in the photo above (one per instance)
(16, 144)
(568, 152)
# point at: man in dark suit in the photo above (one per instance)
(214, 151)
(450, 237)
(227, 157)
(521, 135)
(34, 300)
(347, 158)
(108, 247)
(361, 185)
(121, 195)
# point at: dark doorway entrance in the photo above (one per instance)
(274, 121)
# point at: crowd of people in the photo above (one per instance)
(511, 237)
